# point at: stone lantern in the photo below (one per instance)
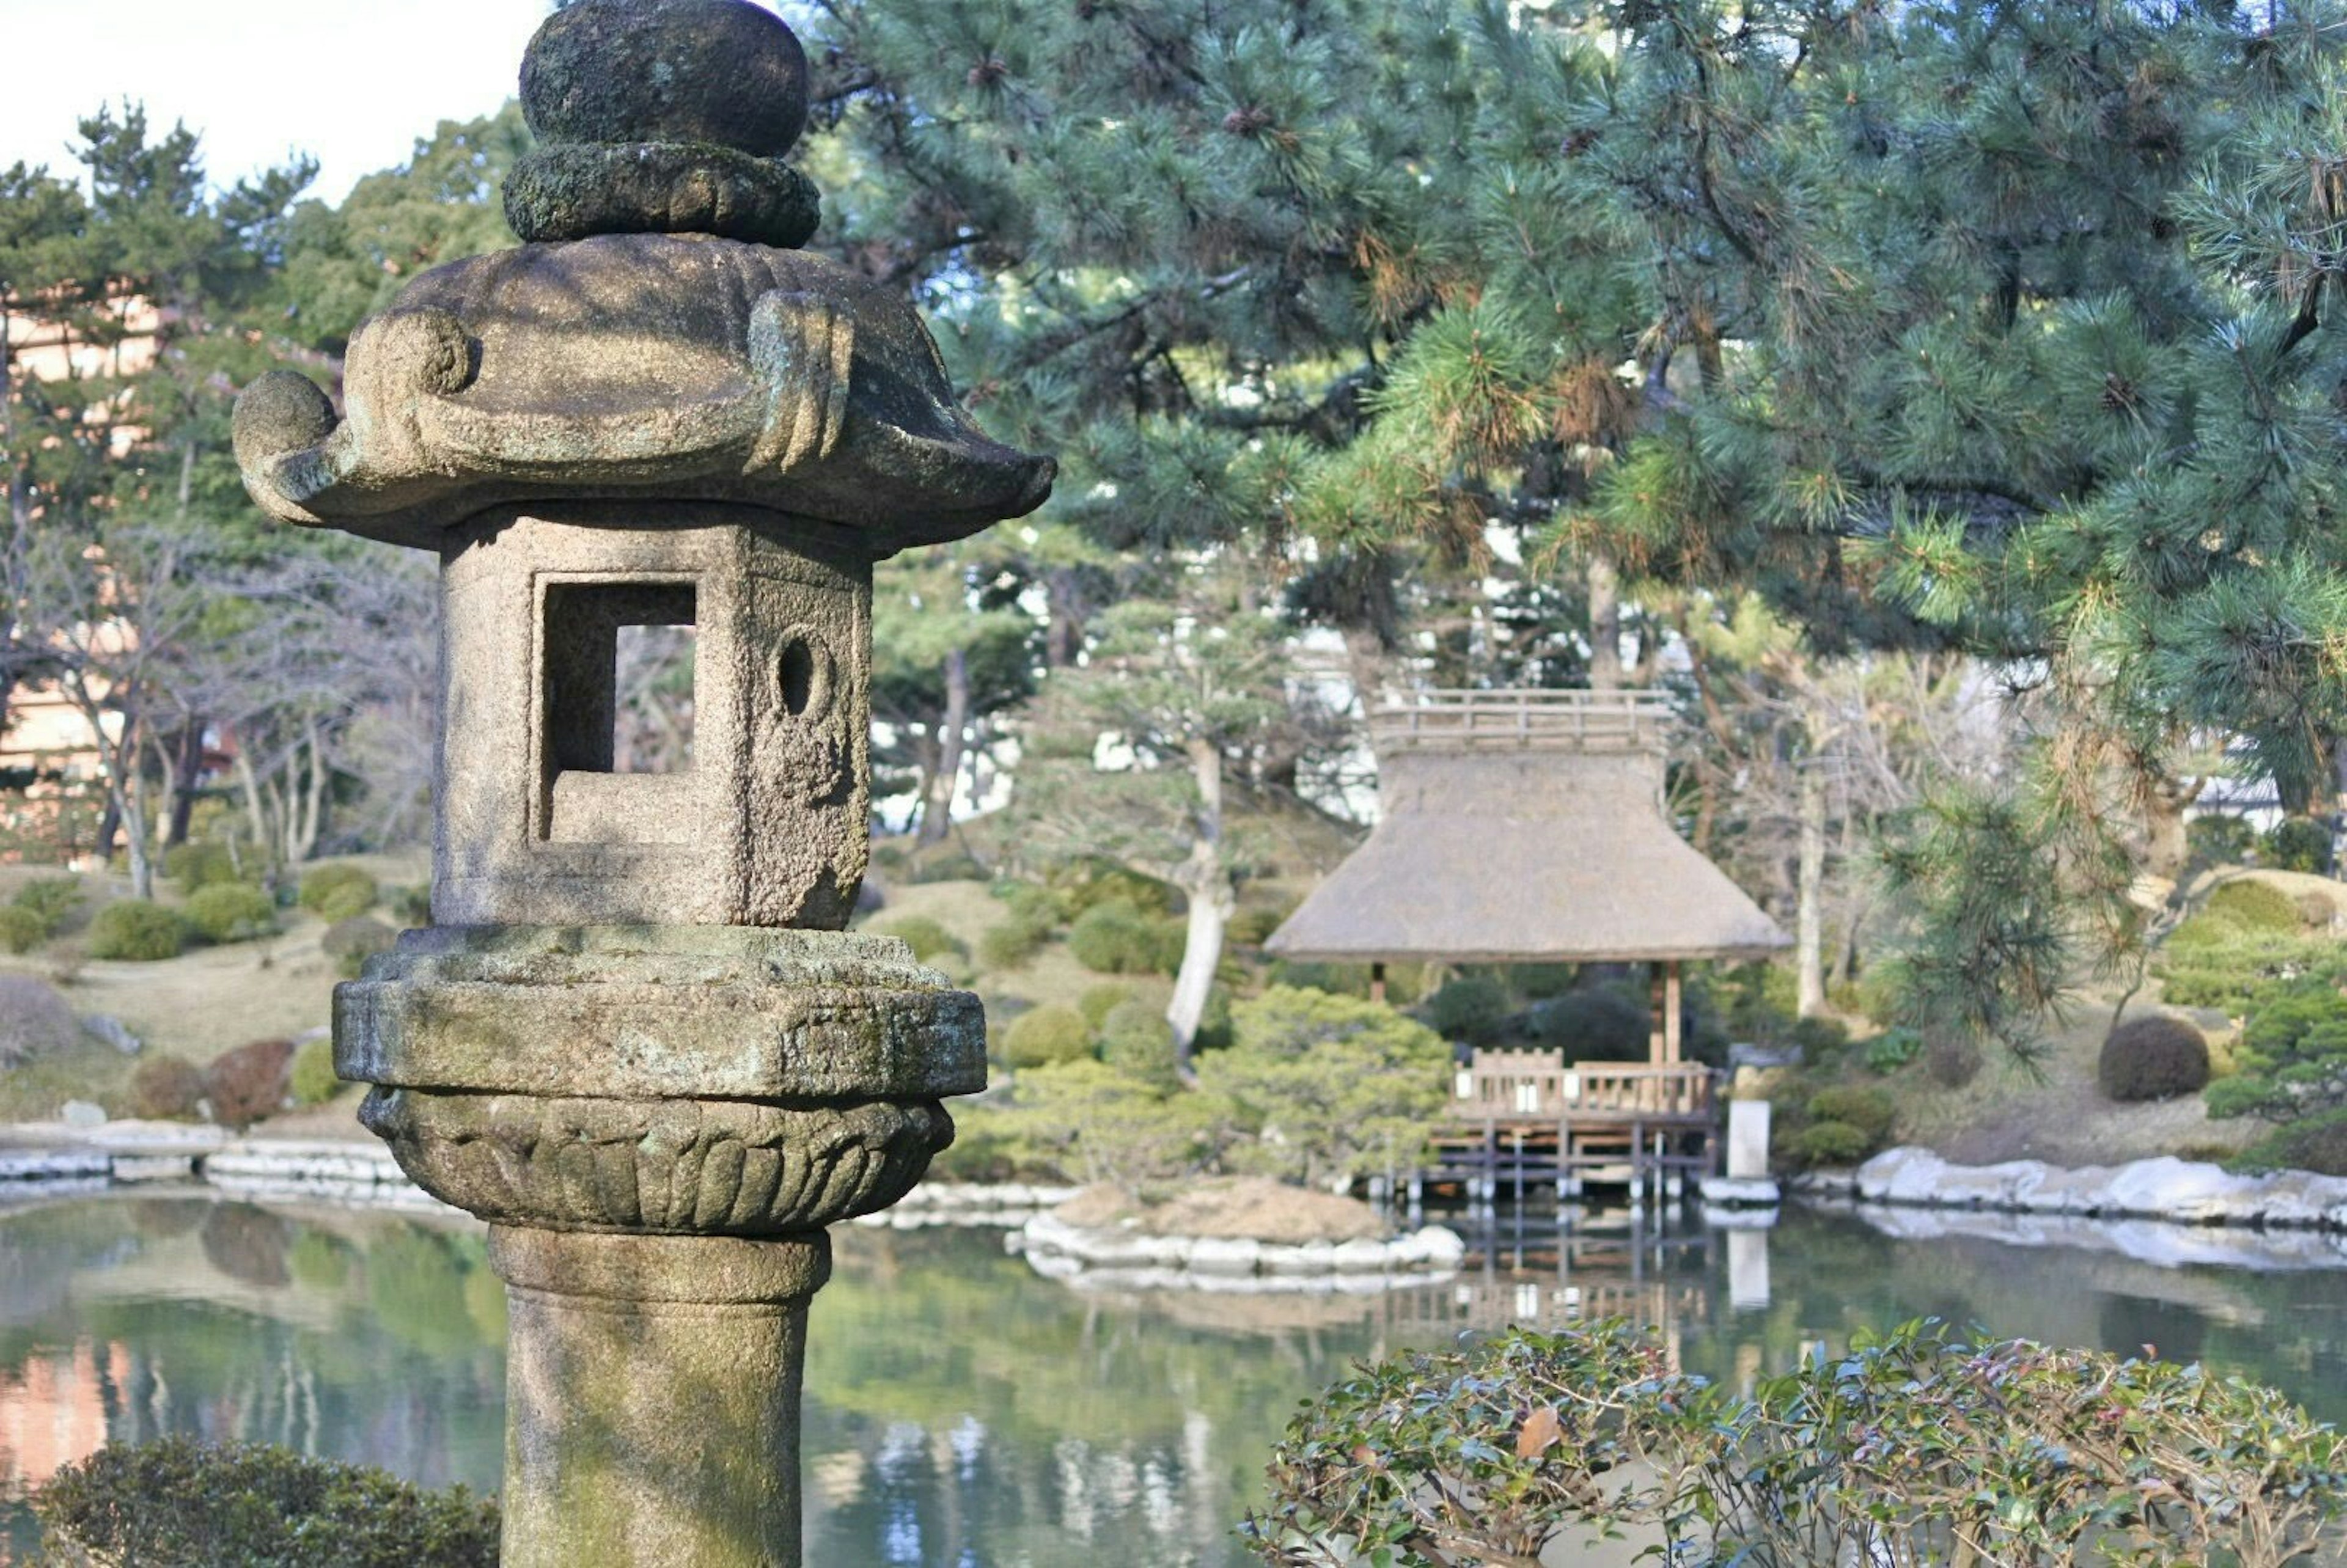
(637, 1039)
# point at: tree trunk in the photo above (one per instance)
(2167, 847)
(167, 809)
(256, 809)
(192, 768)
(1207, 881)
(312, 808)
(1604, 623)
(1063, 640)
(953, 739)
(1810, 923)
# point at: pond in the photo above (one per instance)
(962, 1411)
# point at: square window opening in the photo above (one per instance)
(620, 674)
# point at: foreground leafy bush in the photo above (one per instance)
(34, 1019)
(338, 892)
(166, 1089)
(134, 930)
(2153, 1058)
(1045, 1036)
(232, 912)
(178, 1504)
(1914, 1448)
(250, 1083)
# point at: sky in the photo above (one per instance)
(354, 83)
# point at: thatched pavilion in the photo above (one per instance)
(1528, 828)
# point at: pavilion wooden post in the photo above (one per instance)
(1377, 982)
(1658, 1028)
(1672, 1011)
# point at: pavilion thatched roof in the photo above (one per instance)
(1524, 828)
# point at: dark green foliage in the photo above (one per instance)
(2216, 840)
(232, 912)
(1135, 1038)
(248, 1083)
(2255, 906)
(1115, 937)
(1046, 1036)
(1830, 1144)
(1870, 1110)
(166, 1089)
(2244, 1095)
(313, 1080)
(1952, 1058)
(1528, 1447)
(21, 930)
(2153, 1058)
(1474, 1009)
(1088, 882)
(134, 930)
(2297, 844)
(927, 938)
(176, 1503)
(1893, 1049)
(1596, 1023)
(1252, 926)
(2317, 1143)
(351, 942)
(337, 892)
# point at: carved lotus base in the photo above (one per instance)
(666, 1167)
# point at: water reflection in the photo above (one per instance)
(963, 1412)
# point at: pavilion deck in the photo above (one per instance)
(1523, 1122)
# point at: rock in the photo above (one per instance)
(1901, 1177)
(1729, 1193)
(114, 1032)
(82, 1113)
(717, 72)
(1442, 1246)
(1360, 1256)
(1226, 1256)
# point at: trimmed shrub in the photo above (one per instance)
(192, 867)
(351, 942)
(1118, 939)
(166, 1089)
(232, 912)
(1871, 1111)
(250, 1083)
(51, 899)
(22, 930)
(1012, 945)
(1474, 1009)
(2254, 906)
(337, 892)
(1818, 1038)
(178, 1503)
(2298, 844)
(1136, 1038)
(2316, 911)
(1047, 1036)
(313, 1080)
(1326, 1086)
(33, 1020)
(928, 939)
(1830, 1144)
(1086, 884)
(133, 930)
(1951, 1059)
(2153, 1058)
(1892, 1050)
(1099, 1001)
(2219, 840)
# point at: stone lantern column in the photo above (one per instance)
(636, 1039)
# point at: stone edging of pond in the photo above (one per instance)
(1127, 1257)
(2182, 1192)
(38, 1159)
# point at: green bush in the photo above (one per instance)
(2297, 844)
(1474, 1009)
(1892, 1050)
(1136, 1038)
(351, 942)
(2244, 1095)
(1831, 1143)
(1912, 1447)
(314, 1082)
(2205, 929)
(1099, 1001)
(50, 899)
(928, 939)
(166, 1089)
(1325, 1086)
(1871, 1111)
(1086, 884)
(1117, 938)
(1047, 1036)
(2318, 1143)
(194, 866)
(337, 892)
(1097, 1124)
(178, 1503)
(2254, 906)
(1012, 945)
(1820, 1039)
(2219, 840)
(133, 930)
(232, 912)
(22, 930)
(1252, 926)
(2153, 1058)
(1595, 1023)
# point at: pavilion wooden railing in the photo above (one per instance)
(1503, 1085)
(1581, 721)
